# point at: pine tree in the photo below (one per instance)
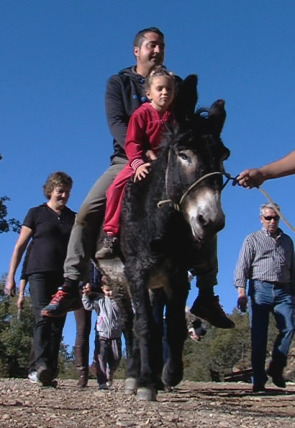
(15, 335)
(7, 224)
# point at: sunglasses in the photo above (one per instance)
(269, 218)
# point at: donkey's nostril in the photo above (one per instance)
(202, 220)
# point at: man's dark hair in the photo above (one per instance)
(140, 36)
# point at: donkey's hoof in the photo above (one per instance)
(172, 375)
(146, 394)
(130, 385)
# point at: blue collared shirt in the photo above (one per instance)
(266, 258)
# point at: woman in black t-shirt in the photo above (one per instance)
(47, 228)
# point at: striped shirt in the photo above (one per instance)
(266, 258)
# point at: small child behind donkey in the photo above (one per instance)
(109, 328)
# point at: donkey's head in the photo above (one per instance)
(195, 168)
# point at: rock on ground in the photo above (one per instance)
(191, 404)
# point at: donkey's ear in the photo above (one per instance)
(217, 116)
(186, 98)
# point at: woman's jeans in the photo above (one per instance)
(265, 298)
(47, 331)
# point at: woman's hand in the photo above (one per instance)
(21, 301)
(10, 287)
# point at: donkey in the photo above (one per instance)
(166, 219)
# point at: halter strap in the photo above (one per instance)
(192, 186)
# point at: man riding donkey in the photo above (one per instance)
(125, 93)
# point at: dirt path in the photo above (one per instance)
(190, 405)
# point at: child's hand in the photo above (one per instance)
(142, 171)
(150, 154)
(87, 288)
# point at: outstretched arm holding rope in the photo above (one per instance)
(256, 176)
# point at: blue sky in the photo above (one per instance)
(57, 56)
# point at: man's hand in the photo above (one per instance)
(251, 178)
(242, 299)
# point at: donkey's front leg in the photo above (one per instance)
(176, 333)
(143, 328)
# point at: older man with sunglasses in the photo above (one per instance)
(267, 261)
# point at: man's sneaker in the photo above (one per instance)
(109, 383)
(277, 377)
(44, 375)
(61, 303)
(109, 249)
(209, 309)
(33, 377)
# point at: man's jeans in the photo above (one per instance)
(265, 298)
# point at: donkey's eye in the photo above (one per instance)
(183, 156)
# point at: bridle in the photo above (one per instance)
(177, 205)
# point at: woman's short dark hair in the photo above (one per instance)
(56, 179)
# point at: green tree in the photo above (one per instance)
(222, 352)
(7, 224)
(196, 359)
(219, 352)
(66, 362)
(15, 335)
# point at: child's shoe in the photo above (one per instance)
(103, 387)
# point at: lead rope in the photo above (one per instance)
(279, 213)
(234, 183)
